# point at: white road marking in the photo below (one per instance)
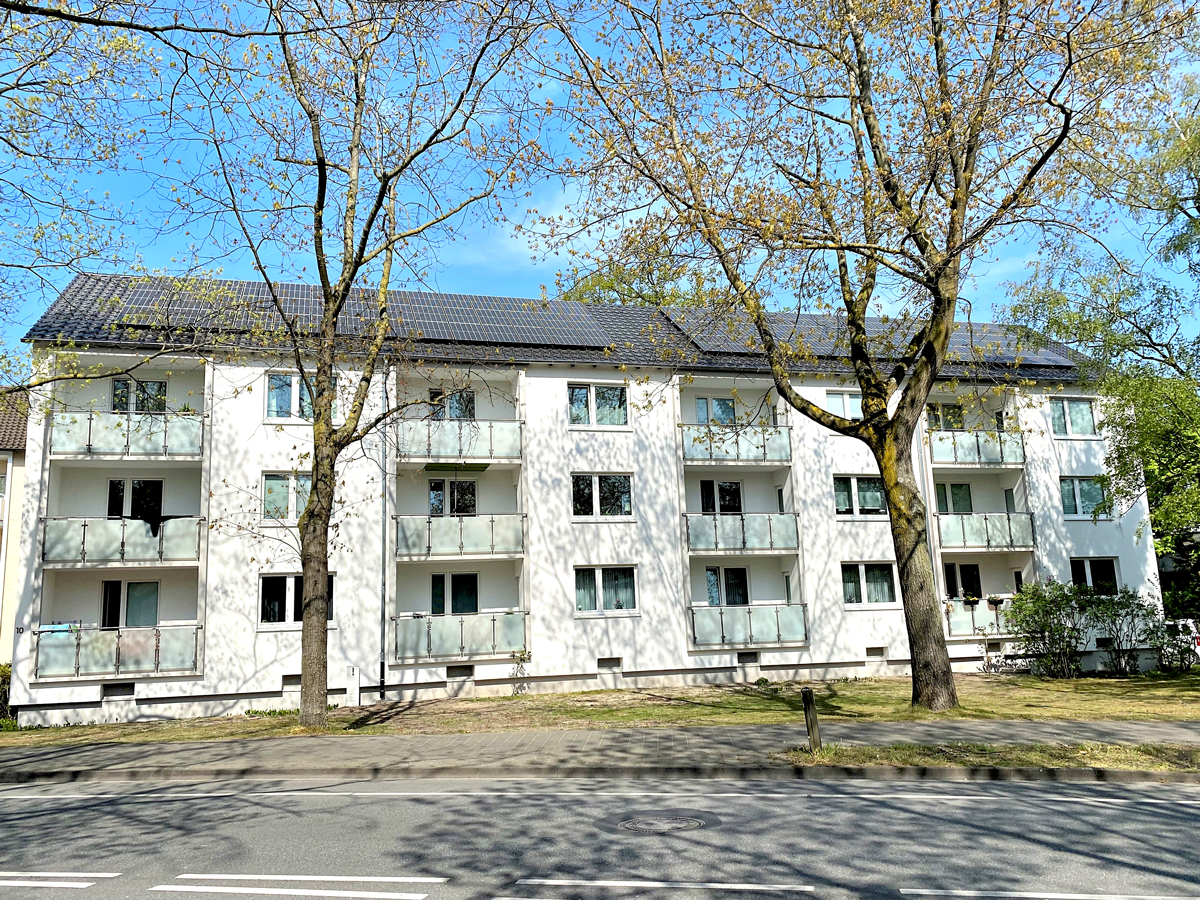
(1043, 895)
(60, 874)
(688, 885)
(48, 884)
(279, 892)
(389, 879)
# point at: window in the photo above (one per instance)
(875, 581)
(280, 593)
(139, 396)
(945, 416)
(779, 498)
(1080, 496)
(454, 499)
(953, 498)
(615, 590)
(596, 404)
(723, 497)
(1098, 574)
(965, 576)
(715, 411)
(727, 586)
(288, 398)
(3, 484)
(464, 593)
(110, 604)
(844, 403)
(285, 495)
(145, 498)
(1071, 418)
(141, 604)
(458, 405)
(1010, 500)
(866, 489)
(601, 495)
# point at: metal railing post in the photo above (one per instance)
(493, 633)
(721, 617)
(83, 541)
(91, 415)
(770, 532)
(493, 531)
(461, 543)
(462, 636)
(157, 649)
(491, 441)
(742, 522)
(117, 661)
(749, 621)
(78, 641)
(429, 637)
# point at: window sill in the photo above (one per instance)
(858, 607)
(608, 614)
(277, 523)
(875, 517)
(1086, 518)
(603, 520)
(286, 627)
(1078, 437)
(621, 428)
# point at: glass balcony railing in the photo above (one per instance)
(98, 432)
(986, 531)
(460, 535)
(71, 651)
(737, 443)
(966, 617)
(749, 626)
(101, 540)
(486, 634)
(742, 531)
(459, 438)
(988, 448)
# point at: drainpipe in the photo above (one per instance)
(383, 541)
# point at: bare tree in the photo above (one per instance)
(830, 156)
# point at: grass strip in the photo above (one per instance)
(1148, 757)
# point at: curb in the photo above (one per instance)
(743, 773)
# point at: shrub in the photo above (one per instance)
(1125, 620)
(5, 682)
(1049, 621)
(1174, 645)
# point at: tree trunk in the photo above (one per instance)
(314, 561)
(932, 678)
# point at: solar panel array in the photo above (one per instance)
(463, 318)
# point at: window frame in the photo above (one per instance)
(716, 484)
(1069, 433)
(936, 416)
(1087, 564)
(123, 605)
(133, 393)
(722, 586)
(845, 396)
(596, 515)
(598, 574)
(856, 512)
(298, 398)
(293, 508)
(591, 424)
(944, 490)
(1079, 515)
(449, 495)
(293, 618)
(958, 580)
(863, 602)
(710, 402)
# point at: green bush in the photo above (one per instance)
(5, 682)
(1125, 620)
(1174, 644)
(1050, 623)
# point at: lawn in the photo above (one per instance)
(871, 699)
(1147, 757)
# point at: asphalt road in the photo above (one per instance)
(562, 840)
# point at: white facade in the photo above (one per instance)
(507, 613)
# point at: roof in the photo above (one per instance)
(14, 415)
(114, 311)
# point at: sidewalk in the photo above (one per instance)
(749, 751)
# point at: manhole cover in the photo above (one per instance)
(660, 824)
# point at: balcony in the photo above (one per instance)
(968, 617)
(498, 439)
(421, 636)
(736, 443)
(141, 434)
(749, 626)
(481, 535)
(73, 539)
(986, 531)
(70, 651)
(976, 448)
(741, 532)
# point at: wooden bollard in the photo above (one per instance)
(810, 719)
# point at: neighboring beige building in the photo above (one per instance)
(12, 481)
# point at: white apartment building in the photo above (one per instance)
(580, 496)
